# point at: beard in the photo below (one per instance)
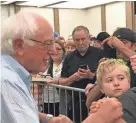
(82, 50)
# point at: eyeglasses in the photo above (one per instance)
(46, 44)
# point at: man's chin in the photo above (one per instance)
(82, 50)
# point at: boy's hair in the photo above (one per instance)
(108, 66)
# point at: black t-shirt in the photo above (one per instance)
(128, 101)
(72, 63)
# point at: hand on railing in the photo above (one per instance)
(40, 75)
(53, 81)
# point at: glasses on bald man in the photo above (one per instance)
(47, 44)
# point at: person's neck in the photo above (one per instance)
(21, 61)
(57, 63)
(18, 59)
(83, 53)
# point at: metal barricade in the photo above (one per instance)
(65, 103)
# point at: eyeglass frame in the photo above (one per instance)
(46, 45)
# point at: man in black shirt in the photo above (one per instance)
(72, 74)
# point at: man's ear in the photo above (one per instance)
(18, 45)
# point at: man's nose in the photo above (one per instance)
(52, 50)
(80, 41)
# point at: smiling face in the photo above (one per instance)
(115, 82)
(38, 55)
(34, 57)
(58, 54)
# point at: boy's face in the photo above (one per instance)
(115, 82)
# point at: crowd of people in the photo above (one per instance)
(105, 66)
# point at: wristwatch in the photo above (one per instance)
(48, 116)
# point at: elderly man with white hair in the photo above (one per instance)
(25, 45)
(26, 41)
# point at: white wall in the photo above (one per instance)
(93, 18)
(69, 19)
(115, 16)
(45, 12)
(4, 13)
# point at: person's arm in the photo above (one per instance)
(119, 45)
(128, 52)
(93, 95)
(69, 80)
(65, 78)
(42, 117)
(110, 111)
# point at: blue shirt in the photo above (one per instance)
(17, 103)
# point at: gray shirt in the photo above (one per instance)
(128, 101)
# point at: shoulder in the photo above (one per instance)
(128, 101)
(8, 73)
(131, 93)
(10, 80)
(70, 55)
(96, 50)
(129, 96)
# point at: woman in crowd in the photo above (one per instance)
(54, 71)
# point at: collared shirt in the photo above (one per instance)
(17, 103)
(72, 63)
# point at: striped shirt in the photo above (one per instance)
(17, 103)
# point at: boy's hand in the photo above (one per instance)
(94, 107)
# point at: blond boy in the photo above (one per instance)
(113, 77)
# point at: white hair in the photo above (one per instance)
(23, 26)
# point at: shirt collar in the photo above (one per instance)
(19, 69)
